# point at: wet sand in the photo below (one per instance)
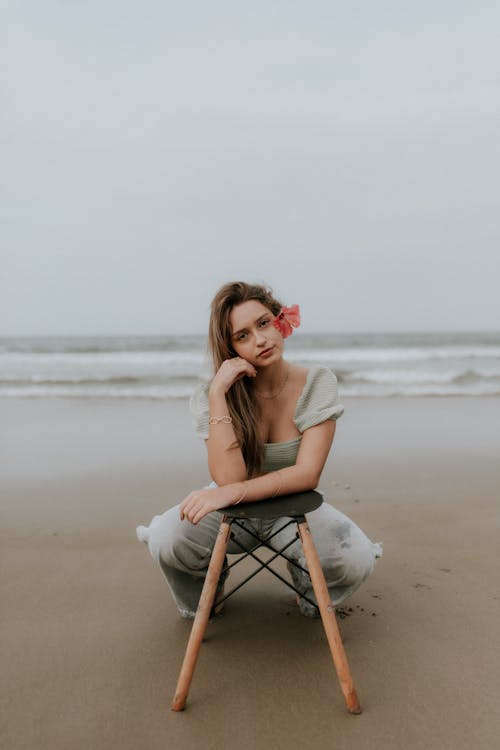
(91, 640)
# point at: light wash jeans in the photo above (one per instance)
(183, 551)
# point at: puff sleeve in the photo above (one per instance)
(200, 410)
(319, 399)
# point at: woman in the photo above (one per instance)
(268, 427)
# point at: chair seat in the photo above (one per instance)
(293, 506)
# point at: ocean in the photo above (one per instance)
(169, 367)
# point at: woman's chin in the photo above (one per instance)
(267, 361)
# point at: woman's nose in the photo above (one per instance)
(260, 337)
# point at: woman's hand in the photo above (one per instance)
(229, 372)
(199, 503)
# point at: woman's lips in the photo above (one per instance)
(266, 352)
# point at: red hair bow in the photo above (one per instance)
(287, 319)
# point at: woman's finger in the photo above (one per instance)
(193, 507)
(186, 505)
(196, 514)
(232, 370)
(247, 367)
(240, 365)
(199, 514)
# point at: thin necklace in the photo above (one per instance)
(275, 395)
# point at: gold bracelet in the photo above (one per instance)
(245, 488)
(280, 484)
(216, 420)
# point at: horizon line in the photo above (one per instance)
(345, 332)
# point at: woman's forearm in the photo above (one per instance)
(199, 503)
(225, 459)
(282, 482)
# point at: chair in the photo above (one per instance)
(292, 507)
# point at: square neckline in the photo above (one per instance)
(297, 405)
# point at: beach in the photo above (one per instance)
(92, 642)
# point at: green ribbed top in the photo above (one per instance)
(317, 403)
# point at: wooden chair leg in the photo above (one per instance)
(202, 615)
(327, 611)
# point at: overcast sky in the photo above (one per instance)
(347, 154)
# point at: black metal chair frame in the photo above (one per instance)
(263, 563)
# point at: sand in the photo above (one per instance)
(92, 642)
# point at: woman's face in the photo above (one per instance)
(253, 335)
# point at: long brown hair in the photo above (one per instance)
(240, 398)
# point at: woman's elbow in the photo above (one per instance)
(223, 472)
(311, 479)
(221, 478)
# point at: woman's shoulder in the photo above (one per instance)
(315, 378)
(319, 398)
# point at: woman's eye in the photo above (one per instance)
(264, 322)
(241, 336)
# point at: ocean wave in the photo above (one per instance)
(427, 390)
(417, 377)
(163, 393)
(169, 367)
(69, 380)
(104, 358)
(475, 376)
(184, 391)
(400, 354)
(100, 344)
